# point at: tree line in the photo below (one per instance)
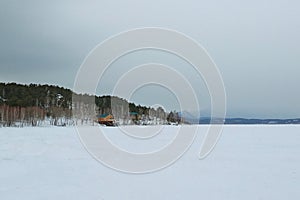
(35, 104)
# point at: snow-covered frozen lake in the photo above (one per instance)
(248, 162)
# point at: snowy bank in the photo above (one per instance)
(249, 162)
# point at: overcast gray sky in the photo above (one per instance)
(255, 44)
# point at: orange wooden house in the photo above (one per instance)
(106, 119)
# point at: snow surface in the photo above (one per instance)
(249, 162)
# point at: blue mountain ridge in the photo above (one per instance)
(192, 119)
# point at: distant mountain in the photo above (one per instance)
(188, 117)
(192, 119)
(261, 121)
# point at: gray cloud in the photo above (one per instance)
(255, 44)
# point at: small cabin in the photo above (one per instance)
(134, 116)
(106, 119)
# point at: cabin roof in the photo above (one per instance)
(133, 113)
(103, 115)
